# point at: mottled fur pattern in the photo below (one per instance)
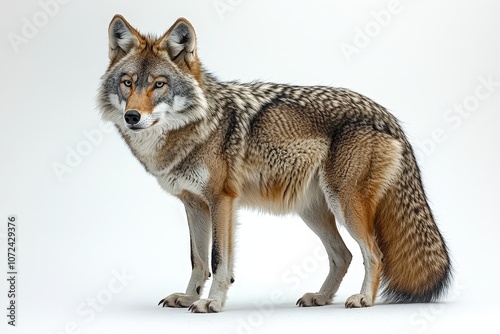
(327, 154)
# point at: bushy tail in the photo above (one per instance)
(416, 264)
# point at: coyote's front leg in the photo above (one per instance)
(198, 216)
(221, 209)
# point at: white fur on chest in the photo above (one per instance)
(179, 175)
(145, 145)
(185, 178)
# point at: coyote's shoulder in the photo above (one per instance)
(326, 154)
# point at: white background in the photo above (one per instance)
(79, 228)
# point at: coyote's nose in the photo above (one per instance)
(132, 117)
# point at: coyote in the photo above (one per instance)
(326, 154)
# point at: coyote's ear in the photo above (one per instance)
(180, 43)
(122, 38)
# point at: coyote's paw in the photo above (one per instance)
(206, 306)
(313, 299)
(178, 300)
(359, 300)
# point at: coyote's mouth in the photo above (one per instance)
(135, 128)
(139, 128)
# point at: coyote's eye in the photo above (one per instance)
(127, 83)
(159, 84)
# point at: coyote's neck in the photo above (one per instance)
(160, 151)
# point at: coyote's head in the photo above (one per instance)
(152, 82)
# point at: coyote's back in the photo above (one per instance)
(326, 154)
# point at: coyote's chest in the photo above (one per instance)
(192, 178)
(174, 168)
